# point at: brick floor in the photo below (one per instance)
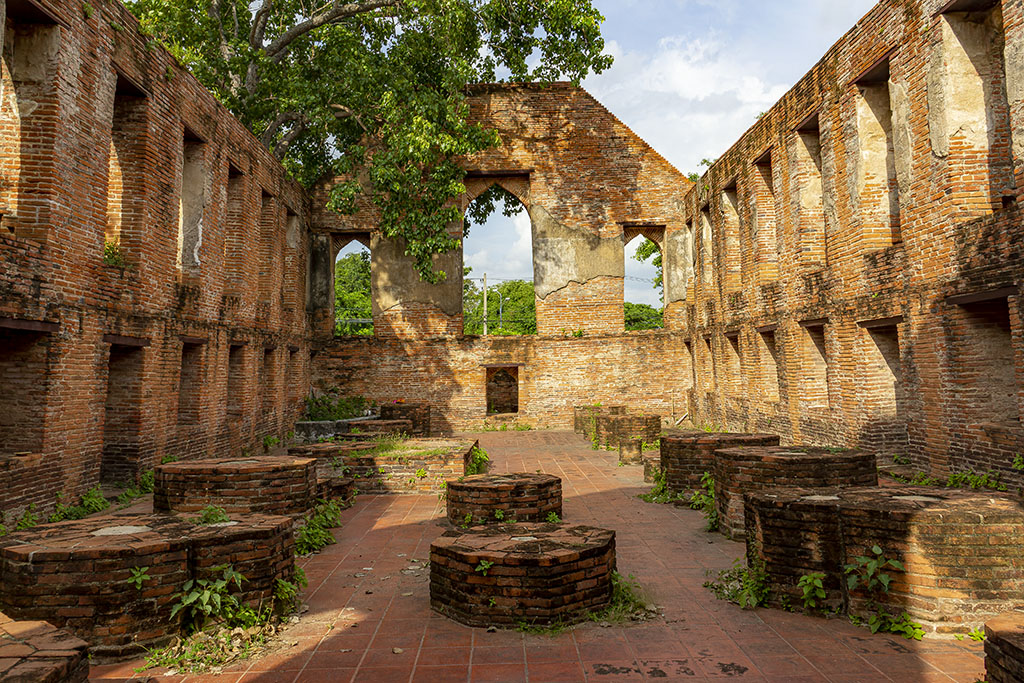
(369, 618)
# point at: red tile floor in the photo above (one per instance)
(369, 617)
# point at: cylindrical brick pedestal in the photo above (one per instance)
(280, 485)
(744, 470)
(522, 496)
(77, 574)
(685, 458)
(960, 549)
(515, 573)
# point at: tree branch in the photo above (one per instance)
(259, 24)
(281, 148)
(278, 49)
(285, 117)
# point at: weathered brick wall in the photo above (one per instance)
(113, 143)
(647, 370)
(828, 273)
(416, 413)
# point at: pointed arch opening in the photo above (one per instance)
(643, 283)
(353, 298)
(498, 296)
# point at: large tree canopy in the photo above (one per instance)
(375, 90)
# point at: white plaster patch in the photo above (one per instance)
(121, 530)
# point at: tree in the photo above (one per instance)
(645, 251)
(352, 294)
(375, 90)
(643, 317)
(511, 308)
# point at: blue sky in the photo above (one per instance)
(690, 76)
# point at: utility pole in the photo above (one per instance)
(485, 304)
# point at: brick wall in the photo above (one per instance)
(113, 143)
(555, 374)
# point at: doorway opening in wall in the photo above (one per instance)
(353, 308)
(643, 281)
(497, 255)
(503, 390)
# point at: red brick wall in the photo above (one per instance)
(647, 370)
(63, 192)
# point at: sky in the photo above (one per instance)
(690, 76)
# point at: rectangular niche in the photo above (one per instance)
(24, 376)
(29, 119)
(707, 365)
(503, 390)
(765, 244)
(268, 244)
(732, 267)
(236, 379)
(126, 170)
(268, 380)
(236, 234)
(985, 364)
(192, 201)
(734, 364)
(706, 260)
(768, 355)
(190, 380)
(881, 385)
(814, 363)
(968, 111)
(122, 414)
(877, 184)
(810, 190)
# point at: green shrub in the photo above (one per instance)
(477, 461)
(211, 514)
(331, 406)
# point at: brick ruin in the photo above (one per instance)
(846, 275)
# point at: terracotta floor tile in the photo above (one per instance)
(440, 674)
(498, 673)
(444, 656)
(382, 675)
(613, 670)
(497, 655)
(556, 672)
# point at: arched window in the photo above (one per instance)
(498, 246)
(353, 310)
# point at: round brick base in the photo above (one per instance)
(76, 574)
(279, 485)
(743, 470)
(522, 497)
(961, 549)
(686, 457)
(1004, 649)
(513, 573)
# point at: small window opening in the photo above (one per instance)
(986, 365)
(706, 260)
(502, 390)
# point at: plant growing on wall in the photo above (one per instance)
(375, 90)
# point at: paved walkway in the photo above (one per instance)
(369, 617)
